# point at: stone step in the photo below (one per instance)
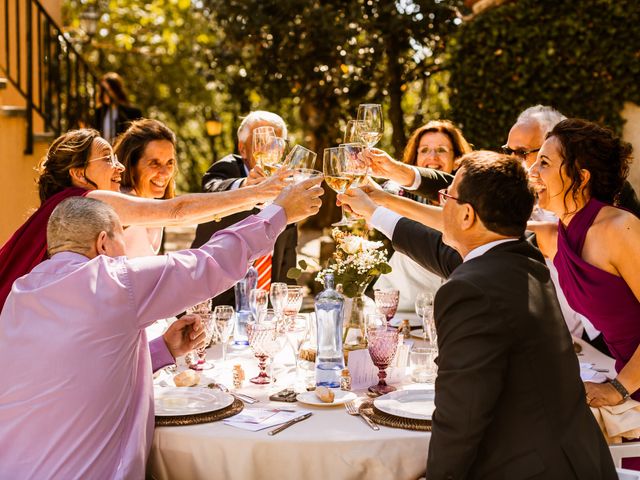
(12, 111)
(46, 137)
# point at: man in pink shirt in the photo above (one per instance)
(77, 399)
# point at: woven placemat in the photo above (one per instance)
(382, 418)
(181, 420)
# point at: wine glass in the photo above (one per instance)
(265, 130)
(223, 315)
(372, 126)
(297, 333)
(383, 344)
(357, 166)
(300, 157)
(424, 309)
(335, 167)
(275, 345)
(260, 335)
(352, 132)
(295, 295)
(387, 301)
(203, 311)
(278, 296)
(374, 321)
(302, 174)
(258, 300)
(272, 161)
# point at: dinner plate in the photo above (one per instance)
(173, 401)
(341, 397)
(415, 404)
(396, 321)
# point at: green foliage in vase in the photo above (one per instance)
(582, 58)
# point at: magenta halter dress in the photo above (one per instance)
(605, 299)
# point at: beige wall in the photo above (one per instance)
(631, 133)
(18, 197)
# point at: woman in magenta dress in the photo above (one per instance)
(595, 246)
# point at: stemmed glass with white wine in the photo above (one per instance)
(335, 169)
(268, 150)
(372, 127)
(352, 131)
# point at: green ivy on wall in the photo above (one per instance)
(581, 57)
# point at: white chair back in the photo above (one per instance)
(624, 450)
(624, 474)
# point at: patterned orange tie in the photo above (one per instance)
(263, 266)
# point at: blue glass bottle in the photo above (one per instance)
(242, 290)
(329, 316)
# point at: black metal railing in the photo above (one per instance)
(47, 70)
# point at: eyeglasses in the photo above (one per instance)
(438, 151)
(443, 196)
(112, 160)
(518, 153)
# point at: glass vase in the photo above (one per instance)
(354, 320)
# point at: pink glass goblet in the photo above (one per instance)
(382, 348)
(387, 302)
(261, 336)
(293, 303)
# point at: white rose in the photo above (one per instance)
(352, 244)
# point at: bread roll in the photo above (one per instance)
(188, 378)
(325, 394)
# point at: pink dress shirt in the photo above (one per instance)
(76, 397)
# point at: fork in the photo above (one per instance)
(245, 398)
(352, 409)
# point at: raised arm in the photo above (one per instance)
(188, 209)
(164, 285)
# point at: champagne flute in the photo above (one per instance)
(424, 309)
(258, 300)
(335, 167)
(372, 126)
(223, 315)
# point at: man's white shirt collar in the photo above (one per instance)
(482, 249)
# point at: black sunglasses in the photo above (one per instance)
(518, 153)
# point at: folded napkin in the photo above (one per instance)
(619, 421)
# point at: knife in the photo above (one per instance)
(290, 422)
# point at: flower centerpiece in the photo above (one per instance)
(355, 263)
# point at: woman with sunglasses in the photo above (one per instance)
(80, 162)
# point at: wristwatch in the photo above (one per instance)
(620, 388)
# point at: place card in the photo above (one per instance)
(364, 373)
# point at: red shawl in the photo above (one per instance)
(27, 247)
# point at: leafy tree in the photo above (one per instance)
(579, 57)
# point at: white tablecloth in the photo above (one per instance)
(329, 445)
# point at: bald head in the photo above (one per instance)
(85, 226)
